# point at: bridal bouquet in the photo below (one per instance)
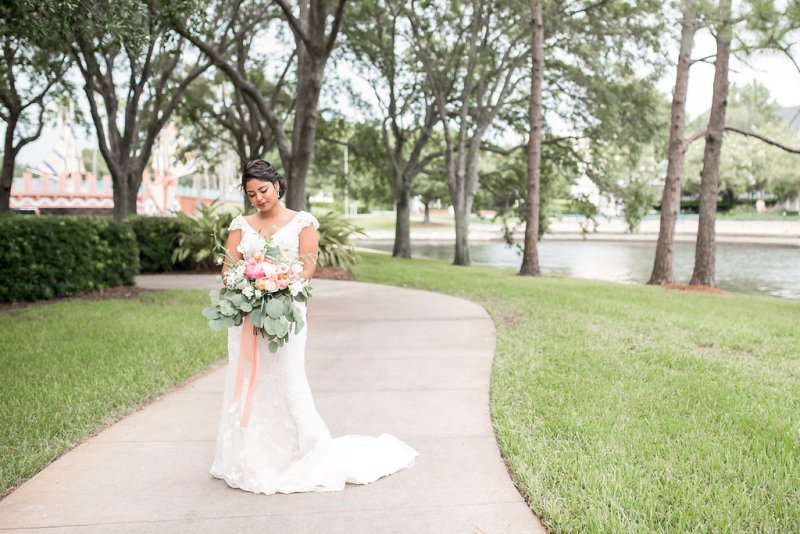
(263, 289)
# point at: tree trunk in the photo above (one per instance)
(671, 197)
(462, 208)
(464, 196)
(121, 197)
(134, 182)
(7, 173)
(304, 133)
(709, 177)
(530, 254)
(402, 226)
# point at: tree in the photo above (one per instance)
(671, 197)
(134, 78)
(31, 71)
(377, 37)
(705, 249)
(530, 254)
(472, 53)
(315, 26)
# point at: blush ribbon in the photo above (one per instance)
(248, 352)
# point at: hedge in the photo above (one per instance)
(59, 256)
(157, 238)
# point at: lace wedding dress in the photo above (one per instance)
(286, 446)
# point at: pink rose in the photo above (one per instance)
(254, 270)
(282, 283)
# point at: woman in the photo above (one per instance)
(285, 446)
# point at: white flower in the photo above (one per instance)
(271, 286)
(258, 293)
(297, 268)
(248, 291)
(270, 269)
(296, 287)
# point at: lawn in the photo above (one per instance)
(623, 408)
(69, 368)
(619, 408)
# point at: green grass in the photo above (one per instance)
(753, 216)
(68, 368)
(624, 408)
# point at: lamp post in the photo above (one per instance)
(346, 180)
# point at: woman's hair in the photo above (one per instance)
(258, 169)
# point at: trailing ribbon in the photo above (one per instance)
(248, 352)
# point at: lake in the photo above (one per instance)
(771, 270)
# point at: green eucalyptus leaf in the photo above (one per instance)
(226, 308)
(274, 308)
(269, 325)
(281, 327)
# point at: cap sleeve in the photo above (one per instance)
(305, 218)
(236, 223)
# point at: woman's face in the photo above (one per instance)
(263, 195)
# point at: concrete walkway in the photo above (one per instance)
(413, 363)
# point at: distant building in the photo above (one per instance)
(61, 185)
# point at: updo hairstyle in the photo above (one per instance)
(258, 169)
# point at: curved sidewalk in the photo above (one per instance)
(379, 359)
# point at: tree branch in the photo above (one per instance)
(697, 135)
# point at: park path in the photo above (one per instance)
(379, 359)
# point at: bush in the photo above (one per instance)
(195, 246)
(157, 238)
(335, 249)
(59, 256)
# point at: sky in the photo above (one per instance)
(775, 72)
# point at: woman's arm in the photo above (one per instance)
(308, 250)
(234, 238)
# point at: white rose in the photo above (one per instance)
(271, 286)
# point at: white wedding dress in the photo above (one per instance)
(286, 446)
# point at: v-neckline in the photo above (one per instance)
(273, 233)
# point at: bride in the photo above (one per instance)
(282, 445)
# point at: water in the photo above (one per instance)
(770, 270)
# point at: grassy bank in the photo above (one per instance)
(69, 367)
(627, 408)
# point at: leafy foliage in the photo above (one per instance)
(335, 249)
(196, 239)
